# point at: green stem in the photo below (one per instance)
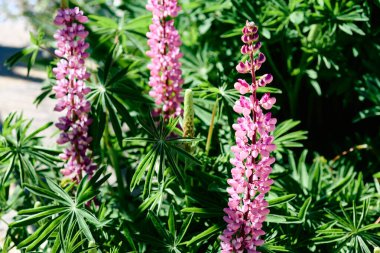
(114, 160)
(274, 67)
(211, 129)
(64, 4)
(293, 95)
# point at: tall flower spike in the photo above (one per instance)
(247, 208)
(70, 90)
(165, 68)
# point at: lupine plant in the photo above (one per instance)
(71, 90)
(167, 146)
(165, 68)
(247, 209)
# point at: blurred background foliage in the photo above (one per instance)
(324, 55)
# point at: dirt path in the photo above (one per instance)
(17, 92)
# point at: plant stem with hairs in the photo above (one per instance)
(114, 159)
(211, 128)
(188, 118)
(64, 4)
(247, 209)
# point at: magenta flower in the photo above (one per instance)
(70, 90)
(165, 68)
(247, 208)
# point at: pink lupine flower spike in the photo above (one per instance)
(165, 68)
(70, 90)
(247, 208)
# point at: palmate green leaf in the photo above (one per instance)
(285, 139)
(6, 247)
(110, 96)
(38, 216)
(90, 188)
(174, 166)
(25, 165)
(269, 89)
(8, 171)
(157, 224)
(34, 210)
(162, 151)
(274, 218)
(281, 200)
(205, 235)
(370, 92)
(44, 234)
(151, 240)
(124, 113)
(149, 175)
(169, 235)
(150, 202)
(185, 226)
(106, 27)
(139, 173)
(156, 199)
(83, 225)
(184, 153)
(302, 170)
(268, 248)
(204, 212)
(138, 23)
(329, 238)
(22, 149)
(35, 133)
(304, 208)
(284, 219)
(129, 238)
(45, 193)
(231, 33)
(30, 52)
(349, 230)
(336, 188)
(33, 237)
(65, 213)
(118, 77)
(59, 191)
(115, 122)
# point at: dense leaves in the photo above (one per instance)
(155, 195)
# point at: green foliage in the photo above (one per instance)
(370, 92)
(161, 153)
(162, 198)
(65, 214)
(21, 151)
(31, 52)
(348, 231)
(285, 140)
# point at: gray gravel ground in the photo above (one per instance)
(17, 92)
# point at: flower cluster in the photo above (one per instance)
(165, 68)
(70, 90)
(247, 209)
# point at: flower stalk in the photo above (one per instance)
(247, 209)
(188, 119)
(64, 4)
(70, 90)
(165, 68)
(211, 128)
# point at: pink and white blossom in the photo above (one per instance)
(247, 208)
(70, 90)
(165, 69)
